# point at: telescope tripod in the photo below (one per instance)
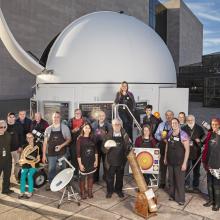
(193, 167)
(69, 193)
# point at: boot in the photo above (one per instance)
(211, 196)
(90, 185)
(82, 189)
(216, 206)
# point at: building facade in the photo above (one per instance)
(182, 32)
(203, 80)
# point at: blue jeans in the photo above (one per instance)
(52, 166)
(27, 173)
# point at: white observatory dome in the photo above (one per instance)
(108, 47)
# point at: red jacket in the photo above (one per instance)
(138, 142)
(205, 151)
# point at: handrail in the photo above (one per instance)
(115, 114)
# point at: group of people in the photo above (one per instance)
(15, 136)
(179, 139)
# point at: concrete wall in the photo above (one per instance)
(191, 37)
(14, 105)
(173, 35)
(35, 22)
(203, 113)
(184, 34)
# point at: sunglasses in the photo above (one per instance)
(2, 127)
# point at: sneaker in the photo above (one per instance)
(120, 194)
(171, 198)
(188, 189)
(21, 196)
(181, 203)
(162, 186)
(108, 195)
(29, 195)
(47, 187)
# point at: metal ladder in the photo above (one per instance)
(115, 114)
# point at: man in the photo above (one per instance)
(100, 128)
(116, 158)
(182, 119)
(57, 137)
(195, 133)
(161, 135)
(5, 157)
(151, 119)
(39, 124)
(25, 122)
(75, 124)
(16, 132)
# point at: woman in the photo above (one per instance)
(87, 158)
(28, 166)
(146, 140)
(211, 160)
(176, 157)
(123, 96)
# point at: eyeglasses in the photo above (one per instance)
(1, 127)
(30, 137)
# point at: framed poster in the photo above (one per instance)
(50, 107)
(90, 110)
(148, 160)
(33, 108)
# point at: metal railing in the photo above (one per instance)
(115, 114)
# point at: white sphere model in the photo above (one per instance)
(108, 47)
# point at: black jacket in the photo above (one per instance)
(126, 146)
(5, 149)
(120, 99)
(27, 125)
(152, 121)
(194, 133)
(16, 132)
(41, 126)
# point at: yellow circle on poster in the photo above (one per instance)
(145, 160)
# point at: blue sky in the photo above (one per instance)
(208, 12)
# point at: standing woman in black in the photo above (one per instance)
(176, 157)
(87, 157)
(124, 96)
(211, 162)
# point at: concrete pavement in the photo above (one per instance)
(43, 206)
